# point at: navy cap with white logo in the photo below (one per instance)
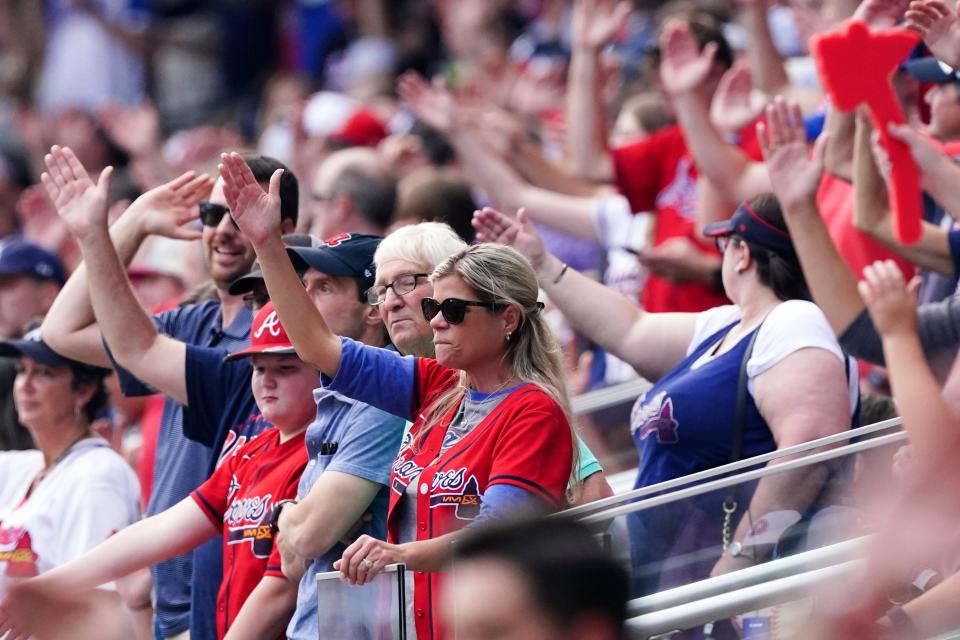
(22, 258)
(347, 254)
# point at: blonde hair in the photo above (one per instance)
(500, 274)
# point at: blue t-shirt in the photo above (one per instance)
(366, 442)
(223, 415)
(181, 464)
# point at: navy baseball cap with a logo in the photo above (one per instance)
(347, 254)
(748, 225)
(32, 346)
(267, 335)
(22, 258)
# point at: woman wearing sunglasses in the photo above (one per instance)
(796, 385)
(491, 431)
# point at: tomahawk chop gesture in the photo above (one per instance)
(256, 212)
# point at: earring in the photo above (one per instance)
(508, 335)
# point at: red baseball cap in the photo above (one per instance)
(267, 335)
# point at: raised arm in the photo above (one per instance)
(927, 416)
(767, 65)
(938, 25)
(685, 70)
(595, 22)
(69, 326)
(872, 207)
(129, 331)
(652, 343)
(795, 177)
(257, 213)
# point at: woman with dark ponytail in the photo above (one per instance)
(799, 386)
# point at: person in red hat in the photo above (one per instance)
(255, 599)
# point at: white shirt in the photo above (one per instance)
(87, 496)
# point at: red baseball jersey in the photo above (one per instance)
(525, 441)
(658, 174)
(238, 498)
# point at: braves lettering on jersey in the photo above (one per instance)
(238, 499)
(525, 442)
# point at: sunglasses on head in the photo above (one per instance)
(454, 309)
(212, 213)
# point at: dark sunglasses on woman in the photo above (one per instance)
(212, 213)
(454, 309)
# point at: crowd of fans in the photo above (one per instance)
(310, 286)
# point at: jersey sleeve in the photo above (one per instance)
(534, 449)
(213, 494)
(379, 377)
(369, 446)
(637, 173)
(432, 380)
(209, 383)
(587, 462)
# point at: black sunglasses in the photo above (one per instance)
(454, 309)
(212, 213)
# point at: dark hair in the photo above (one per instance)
(569, 574)
(780, 272)
(263, 167)
(86, 375)
(705, 29)
(374, 197)
(438, 197)
(435, 145)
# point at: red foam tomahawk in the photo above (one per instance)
(856, 67)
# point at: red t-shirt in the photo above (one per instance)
(835, 202)
(238, 499)
(658, 174)
(525, 441)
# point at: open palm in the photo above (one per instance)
(596, 22)
(794, 174)
(256, 212)
(170, 206)
(493, 226)
(684, 67)
(81, 203)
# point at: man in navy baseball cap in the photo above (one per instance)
(348, 255)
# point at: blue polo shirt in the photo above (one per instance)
(181, 464)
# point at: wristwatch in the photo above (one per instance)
(275, 514)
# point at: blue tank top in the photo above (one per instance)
(684, 423)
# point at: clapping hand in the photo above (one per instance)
(891, 301)
(256, 212)
(794, 174)
(81, 203)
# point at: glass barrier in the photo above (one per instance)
(820, 497)
(374, 611)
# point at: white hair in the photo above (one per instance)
(427, 243)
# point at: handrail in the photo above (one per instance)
(750, 576)
(756, 474)
(727, 605)
(608, 396)
(673, 483)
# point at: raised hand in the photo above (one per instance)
(733, 106)
(927, 152)
(519, 233)
(165, 209)
(881, 14)
(891, 302)
(256, 212)
(136, 130)
(684, 67)
(596, 22)
(939, 26)
(81, 203)
(794, 174)
(432, 103)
